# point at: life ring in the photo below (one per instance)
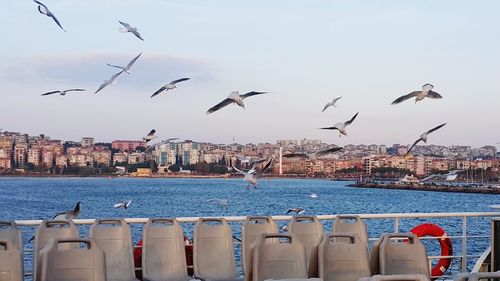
(138, 257)
(429, 229)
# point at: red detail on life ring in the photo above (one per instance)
(429, 229)
(138, 257)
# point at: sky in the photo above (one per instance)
(304, 53)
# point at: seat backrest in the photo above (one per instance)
(213, 252)
(10, 232)
(113, 237)
(52, 229)
(11, 262)
(251, 230)
(163, 251)
(341, 260)
(374, 256)
(72, 264)
(309, 231)
(476, 276)
(352, 224)
(403, 253)
(283, 259)
(398, 277)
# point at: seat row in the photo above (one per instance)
(305, 252)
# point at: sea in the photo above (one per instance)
(23, 198)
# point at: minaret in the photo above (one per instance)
(281, 160)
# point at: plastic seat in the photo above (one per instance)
(113, 237)
(309, 231)
(341, 260)
(48, 230)
(484, 275)
(163, 251)
(11, 262)
(398, 277)
(351, 224)
(213, 252)
(403, 257)
(10, 232)
(251, 230)
(283, 259)
(72, 264)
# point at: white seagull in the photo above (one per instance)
(420, 95)
(153, 146)
(63, 92)
(234, 97)
(124, 204)
(313, 195)
(332, 103)
(423, 137)
(169, 86)
(252, 175)
(127, 28)
(150, 136)
(313, 155)
(108, 82)
(128, 66)
(44, 10)
(341, 126)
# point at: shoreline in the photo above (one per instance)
(170, 176)
(454, 189)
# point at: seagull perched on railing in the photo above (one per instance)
(169, 86)
(341, 126)
(124, 204)
(128, 66)
(313, 155)
(423, 137)
(127, 28)
(150, 136)
(108, 82)
(332, 103)
(234, 97)
(420, 95)
(252, 175)
(63, 92)
(44, 10)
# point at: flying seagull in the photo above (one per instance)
(44, 10)
(251, 160)
(313, 195)
(127, 28)
(423, 137)
(124, 204)
(313, 155)
(234, 97)
(128, 66)
(150, 136)
(222, 203)
(420, 95)
(70, 214)
(169, 86)
(108, 82)
(252, 175)
(341, 126)
(332, 103)
(63, 92)
(296, 210)
(160, 143)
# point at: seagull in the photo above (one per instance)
(108, 82)
(222, 203)
(423, 137)
(314, 155)
(251, 160)
(234, 97)
(252, 175)
(313, 195)
(341, 126)
(150, 136)
(69, 215)
(129, 65)
(44, 10)
(296, 210)
(63, 92)
(160, 143)
(169, 86)
(127, 28)
(124, 204)
(332, 103)
(420, 95)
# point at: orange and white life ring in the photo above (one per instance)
(429, 229)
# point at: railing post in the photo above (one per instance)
(396, 225)
(464, 244)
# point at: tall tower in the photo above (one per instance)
(281, 160)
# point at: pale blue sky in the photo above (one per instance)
(304, 52)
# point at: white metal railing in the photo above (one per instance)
(397, 217)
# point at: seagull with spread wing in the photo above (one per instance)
(234, 97)
(313, 155)
(341, 126)
(123, 205)
(158, 144)
(70, 214)
(45, 11)
(63, 92)
(426, 92)
(128, 66)
(252, 175)
(332, 103)
(222, 203)
(150, 136)
(127, 28)
(296, 210)
(169, 86)
(108, 82)
(423, 137)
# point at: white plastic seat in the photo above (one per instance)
(113, 237)
(403, 253)
(351, 224)
(309, 231)
(163, 251)
(397, 277)
(59, 263)
(10, 232)
(11, 262)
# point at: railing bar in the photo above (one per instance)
(464, 244)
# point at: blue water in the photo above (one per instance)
(42, 198)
